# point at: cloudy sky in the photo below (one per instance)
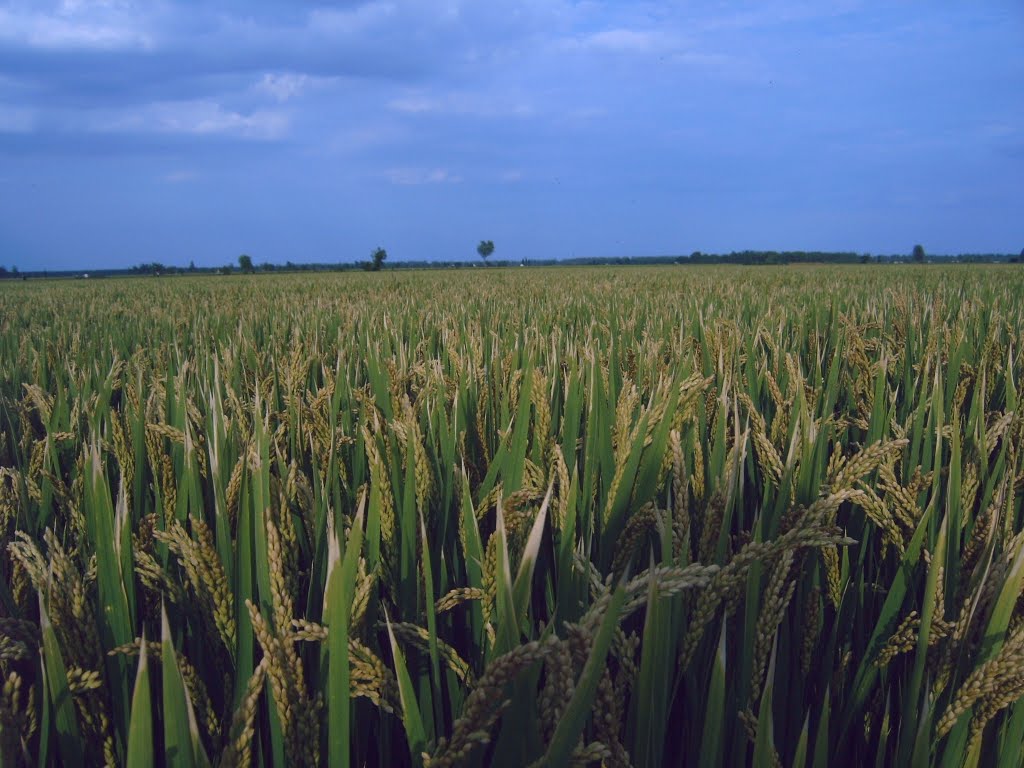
(304, 131)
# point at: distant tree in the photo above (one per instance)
(150, 268)
(191, 266)
(865, 258)
(378, 257)
(245, 262)
(485, 249)
(918, 254)
(3, 272)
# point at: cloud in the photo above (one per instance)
(768, 15)
(415, 104)
(283, 86)
(126, 59)
(351, 21)
(179, 177)
(487, 104)
(198, 118)
(362, 138)
(416, 176)
(15, 119)
(685, 100)
(100, 26)
(1000, 130)
(622, 40)
(587, 113)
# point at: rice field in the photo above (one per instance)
(595, 516)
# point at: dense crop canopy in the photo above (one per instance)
(660, 516)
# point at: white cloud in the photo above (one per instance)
(587, 113)
(621, 40)
(779, 13)
(415, 104)
(624, 40)
(358, 138)
(76, 26)
(201, 118)
(15, 120)
(350, 22)
(999, 130)
(180, 176)
(415, 176)
(283, 86)
(10, 84)
(470, 104)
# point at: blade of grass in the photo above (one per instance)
(571, 724)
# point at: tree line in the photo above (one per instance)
(486, 248)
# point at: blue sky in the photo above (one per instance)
(305, 131)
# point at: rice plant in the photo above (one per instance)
(666, 516)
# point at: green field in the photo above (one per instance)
(636, 516)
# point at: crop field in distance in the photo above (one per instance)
(689, 516)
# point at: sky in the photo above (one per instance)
(301, 131)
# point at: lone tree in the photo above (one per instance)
(918, 254)
(485, 249)
(379, 256)
(245, 262)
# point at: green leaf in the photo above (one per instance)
(653, 686)
(764, 743)
(571, 724)
(183, 746)
(473, 555)
(915, 698)
(69, 739)
(711, 744)
(116, 624)
(566, 606)
(508, 625)
(435, 664)
(615, 520)
(140, 729)
(800, 754)
(523, 586)
(341, 576)
(886, 623)
(822, 743)
(411, 719)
